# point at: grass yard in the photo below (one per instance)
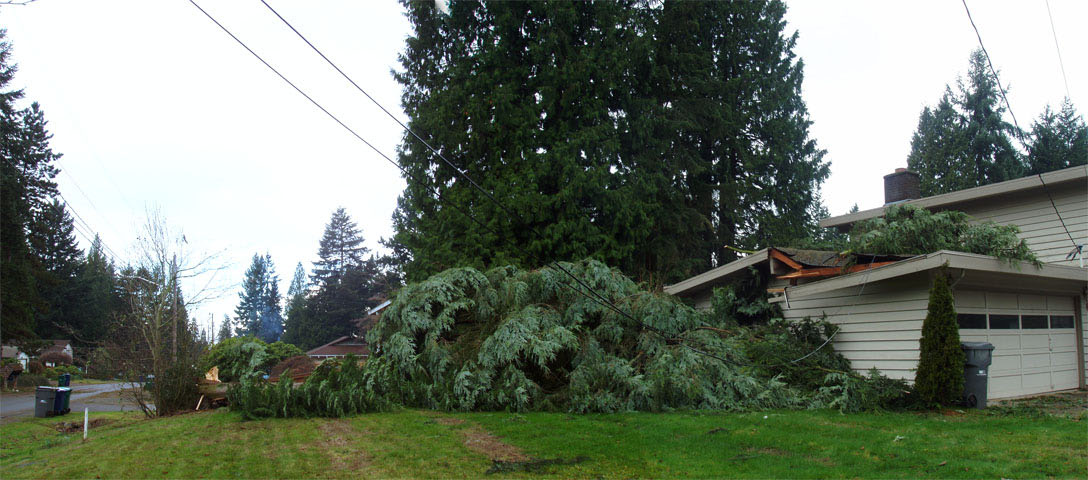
(1005, 442)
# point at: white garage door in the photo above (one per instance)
(1033, 337)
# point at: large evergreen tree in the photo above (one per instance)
(26, 188)
(344, 281)
(1058, 140)
(965, 141)
(643, 136)
(59, 261)
(258, 312)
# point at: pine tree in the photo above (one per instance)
(645, 137)
(939, 379)
(26, 187)
(225, 329)
(271, 315)
(965, 142)
(298, 283)
(247, 315)
(1058, 140)
(97, 297)
(344, 279)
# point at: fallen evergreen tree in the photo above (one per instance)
(511, 339)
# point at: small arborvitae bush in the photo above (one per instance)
(939, 380)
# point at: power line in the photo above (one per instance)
(404, 170)
(1000, 89)
(459, 171)
(606, 302)
(80, 221)
(1056, 47)
(601, 300)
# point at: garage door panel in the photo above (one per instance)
(1035, 341)
(1005, 363)
(1063, 342)
(1065, 379)
(1035, 381)
(1036, 360)
(1005, 343)
(1064, 359)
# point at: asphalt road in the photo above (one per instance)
(17, 405)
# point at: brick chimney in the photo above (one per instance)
(901, 186)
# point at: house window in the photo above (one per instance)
(972, 320)
(1004, 322)
(1034, 321)
(1061, 321)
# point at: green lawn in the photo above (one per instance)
(411, 443)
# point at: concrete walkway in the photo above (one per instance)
(19, 405)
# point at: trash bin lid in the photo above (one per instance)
(64, 389)
(976, 345)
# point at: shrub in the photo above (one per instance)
(236, 357)
(939, 380)
(279, 351)
(175, 389)
(31, 380)
(853, 393)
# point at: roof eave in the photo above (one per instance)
(960, 196)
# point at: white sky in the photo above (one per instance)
(154, 107)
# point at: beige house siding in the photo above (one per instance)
(880, 325)
(1039, 225)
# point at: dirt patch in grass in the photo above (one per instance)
(481, 441)
(337, 437)
(449, 421)
(73, 427)
(1072, 405)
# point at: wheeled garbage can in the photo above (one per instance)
(44, 398)
(64, 380)
(977, 359)
(60, 404)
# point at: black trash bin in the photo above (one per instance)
(60, 402)
(44, 398)
(977, 356)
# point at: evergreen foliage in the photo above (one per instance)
(239, 356)
(645, 135)
(26, 188)
(1058, 140)
(939, 379)
(912, 230)
(258, 311)
(510, 339)
(964, 141)
(336, 388)
(346, 284)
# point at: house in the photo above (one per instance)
(1034, 316)
(351, 344)
(341, 347)
(59, 352)
(10, 351)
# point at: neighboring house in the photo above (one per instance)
(351, 344)
(10, 351)
(341, 347)
(1033, 316)
(62, 347)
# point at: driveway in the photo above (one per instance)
(18, 405)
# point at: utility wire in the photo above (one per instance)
(460, 172)
(372, 147)
(1056, 47)
(1019, 132)
(600, 299)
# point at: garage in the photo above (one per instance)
(1034, 339)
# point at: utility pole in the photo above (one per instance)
(174, 286)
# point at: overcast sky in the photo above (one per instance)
(154, 107)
